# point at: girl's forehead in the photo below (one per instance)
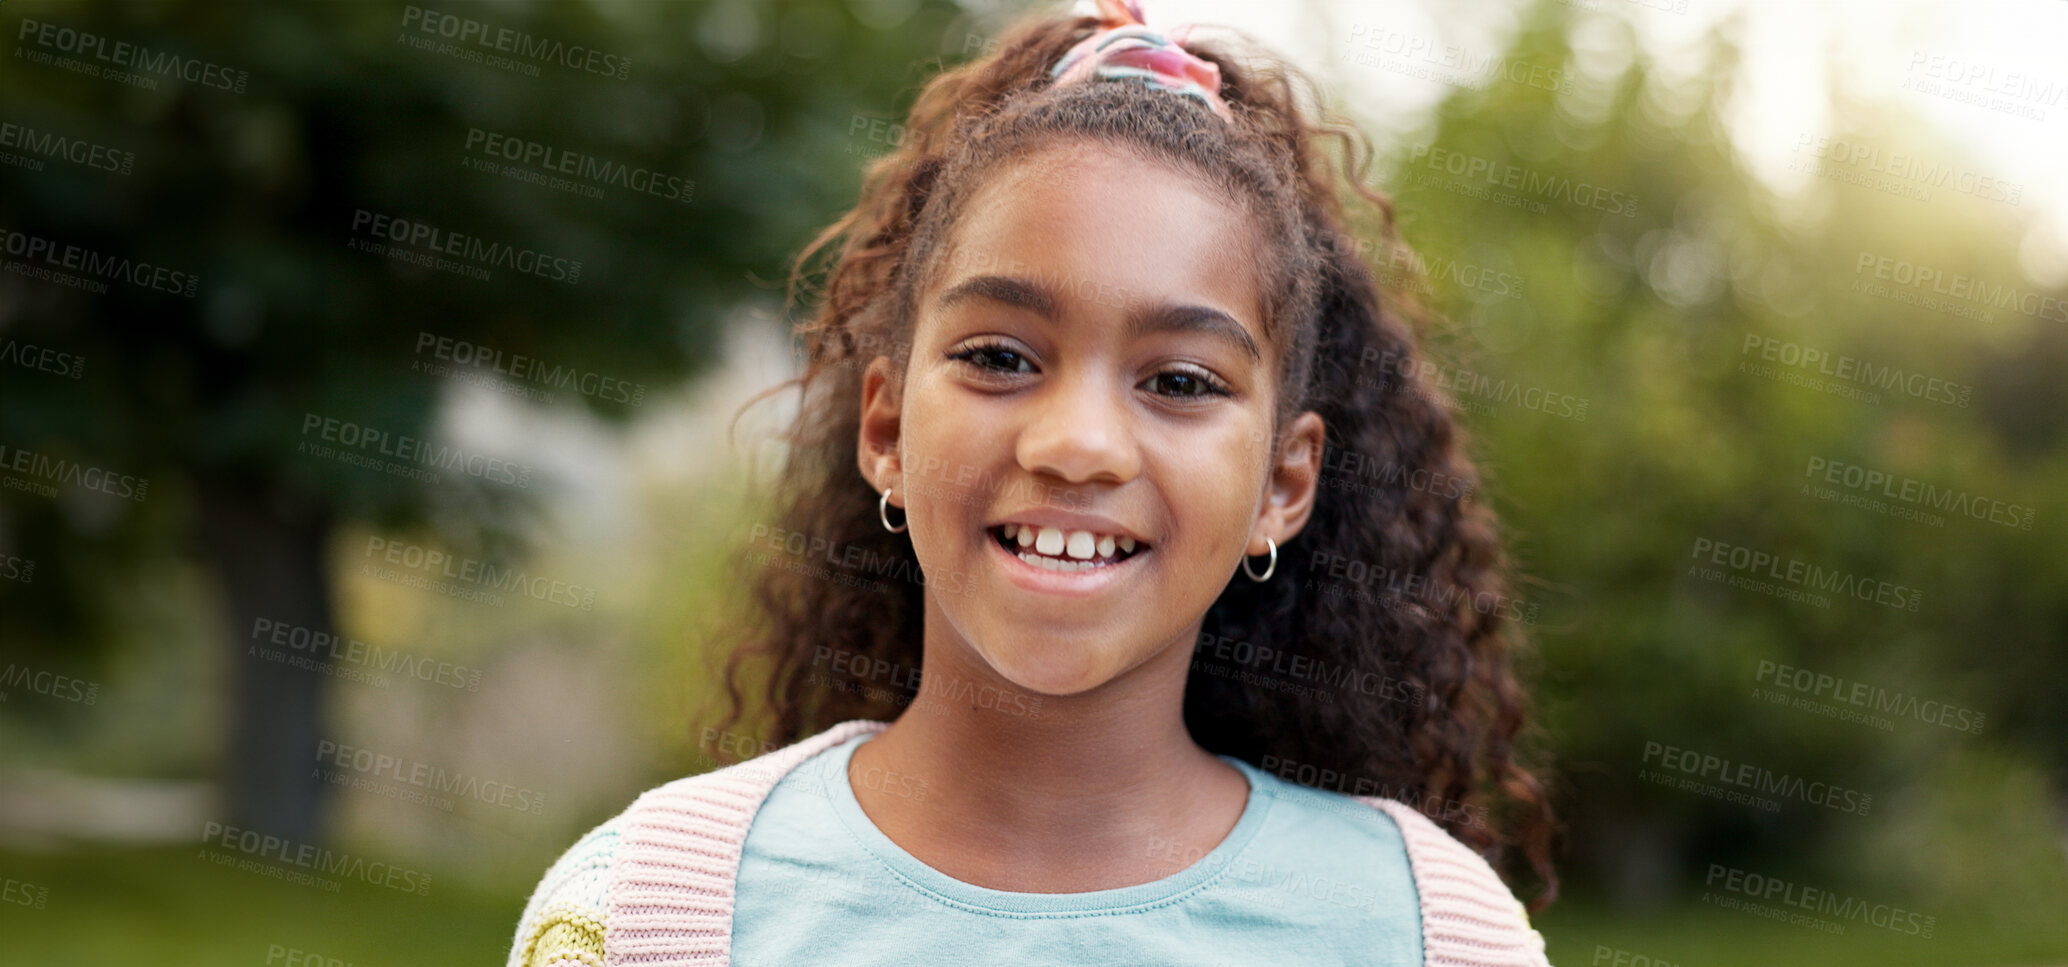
(1109, 229)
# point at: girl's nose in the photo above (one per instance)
(1078, 429)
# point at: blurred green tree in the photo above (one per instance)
(1598, 239)
(690, 142)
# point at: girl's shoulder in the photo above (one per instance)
(677, 845)
(564, 919)
(1469, 916)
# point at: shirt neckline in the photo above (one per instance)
(955, 892)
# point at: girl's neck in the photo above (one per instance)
(1009, 790)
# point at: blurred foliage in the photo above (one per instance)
(264, 177)
(259, 192)
(1646, 316)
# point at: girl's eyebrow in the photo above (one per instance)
(1178, 318)
(1165, 317)
(1018, 293)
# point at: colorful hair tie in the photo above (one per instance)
(1126, 48)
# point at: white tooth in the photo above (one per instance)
(1009, 530)
(1054, 564)
(1082, 543)
(1049, 541)
(1127, 544)
(1106, 546)
(1026, 536)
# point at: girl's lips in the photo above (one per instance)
(1069, 584)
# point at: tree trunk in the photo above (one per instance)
(269, 556)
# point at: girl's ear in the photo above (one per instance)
(1289, 493)
(876, 452)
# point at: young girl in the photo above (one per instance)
(1095, 338)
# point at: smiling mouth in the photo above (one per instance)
(1093, 551)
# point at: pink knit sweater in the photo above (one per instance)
(654, 885)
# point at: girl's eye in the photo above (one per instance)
(1190, 384)
(986, 355)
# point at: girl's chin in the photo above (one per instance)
(1049, 668)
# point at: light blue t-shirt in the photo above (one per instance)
(1306, 877)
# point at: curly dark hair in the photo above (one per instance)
(1393, 580)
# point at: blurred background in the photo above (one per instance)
(367, 375)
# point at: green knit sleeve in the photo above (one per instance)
(562, 924)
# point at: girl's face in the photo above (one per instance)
(1089, 368)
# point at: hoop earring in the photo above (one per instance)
(1269, 569)
(883, 514)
